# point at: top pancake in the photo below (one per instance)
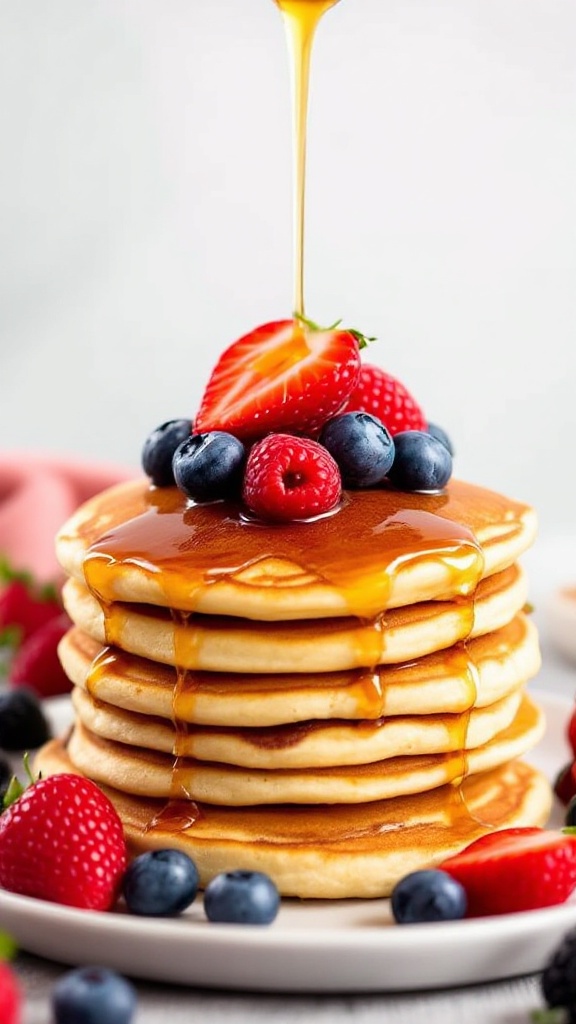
(381, 549)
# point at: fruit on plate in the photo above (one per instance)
(427, 895)
(93, 995)
(24, 606)
(241, 897)
(286, 376)
(160, 883)
(36, 663)
(515, 869)
(23, 724)
(61, 840)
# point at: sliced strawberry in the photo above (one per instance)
(385, 397)
(36, 663)
(515, 869)
(282, 376)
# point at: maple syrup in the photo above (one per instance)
(301, 18)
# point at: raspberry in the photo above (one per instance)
(289, 478)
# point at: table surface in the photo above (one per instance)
(552, 564)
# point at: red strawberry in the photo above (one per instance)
(565, 783)
(63, 841)
(386, 398)
(515, 869)
(36, 664)
(10, 996)
(289, 477)
(24, 608)
(282, 376)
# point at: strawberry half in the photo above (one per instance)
(283, 376)
(385, 397)
(515, 869)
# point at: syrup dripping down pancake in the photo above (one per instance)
(477, 673)
(337, 851)
(143, 772)
(381, 549)
(222, 644)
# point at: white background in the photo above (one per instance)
(145, 201)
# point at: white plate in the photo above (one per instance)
(313, 946)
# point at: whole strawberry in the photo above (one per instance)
(515, 869)
(36, 664)
(385, 397)
(289, 478)
(10, 996)
(62, 841)
(24, 606)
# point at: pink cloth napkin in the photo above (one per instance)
(37, 494)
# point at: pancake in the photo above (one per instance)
(331, 852)
(143, 772)
(477, 673)
(312, 744)
(224, 644)
(382, 549)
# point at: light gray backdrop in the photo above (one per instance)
(145, 199)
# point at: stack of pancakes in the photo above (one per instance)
(335, 702)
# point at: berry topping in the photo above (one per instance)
(10, 996)
(290, 478)
(421, 462)
(385, 397)
(361, 446)
(36, 664)
(208, 467)
(62, 841)
(558, 981)
(428, 895)
(565, 783)
(570, 816)
(285, 376)
(159, 448)
(24, 606)
(241, 897)
(440, 434)
(160, 883)
(93, 995)
(515, 869)
(23, 724)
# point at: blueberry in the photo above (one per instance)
(428, 895)
(23, 724)
(159, 449)
(208, 467)
(160, 883)
(421, 462)
(362, 447)
(440, 434)
(241, 897)
(93, 995)
(558, 979)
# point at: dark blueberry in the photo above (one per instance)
(362, 447)
(23, 724)
(428, 895)
(570, 817)
(558, 980)
(93, 995)
(440, 434)
(421, 462)
(241, 897)
(208, 467)
(159, 448)
(160, 883)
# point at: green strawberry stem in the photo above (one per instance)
(43, 592)
(557, 1015)
(7, 946)
(362, 339)
(15, 787)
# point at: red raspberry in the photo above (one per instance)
(10, 996)
(63, 841)
(290, 478)
(386, 398)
